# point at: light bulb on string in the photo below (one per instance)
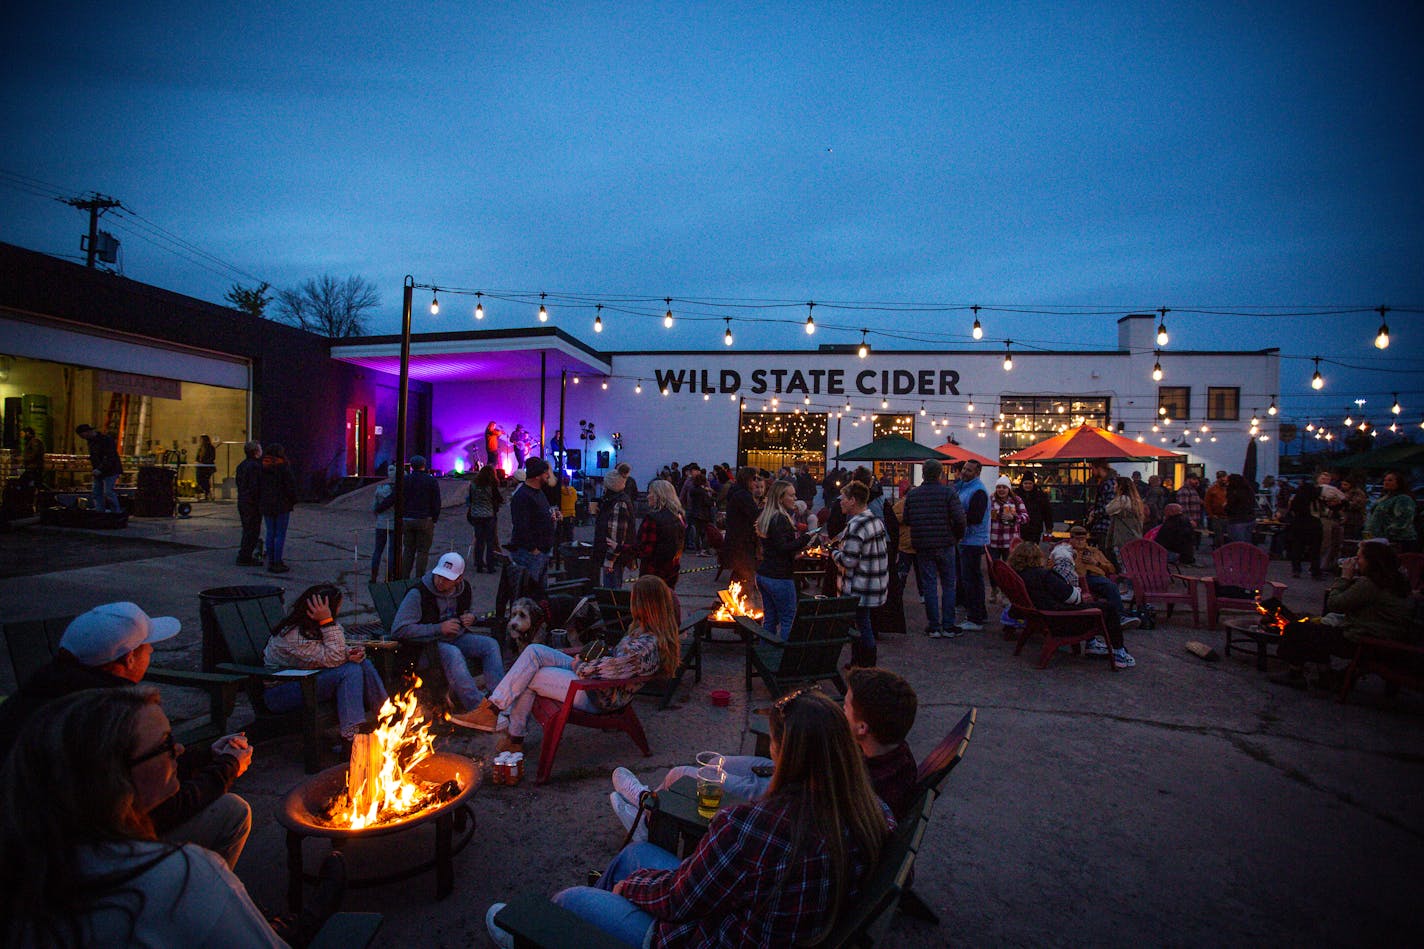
(638, 389)
(1157, 367)
(810, 320)
(434, 301)
(1317, 381)
(885, 403)
(576, 380)
(1271, 409)
(864, 348)
(1349, 420)
(1382, 337)
(1394, 426)
(848, 409)
(970, 407)
(727, 338)
(1254, 420)
(605, 385)
(1162, 327)
(1395, 408)
(1008, 356)
(479, 307)
(598, 318)
(666, 390)
(978, 331)
(543, 310)
(667, 317)
(922, 409)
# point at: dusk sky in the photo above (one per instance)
(1110, 157)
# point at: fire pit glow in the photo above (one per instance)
(1276, 618)
(734, 603)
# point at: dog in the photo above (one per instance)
(528, 623)
(530, 620)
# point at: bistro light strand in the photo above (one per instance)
(543, 310)
(810, 319)
(1317, 381)
(1162, 326)
(667, 317)
(728, 337)
(479, 306)
(864, 349)
(598, 319)
(1008, 355)
(978, 330)
(1382, 337)
(1157, 367)
(434, 302)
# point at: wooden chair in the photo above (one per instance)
(386, 597)
(812, 651)
(1145, 564)
(1058, 627)
(1237, 564)
(1413, 565)
(615, 609)
(246, 625)
(33, 643)
(553, 716)
(1399, 664)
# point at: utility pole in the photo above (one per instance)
(96, 204)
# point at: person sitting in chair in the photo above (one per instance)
(1178, 535)
(1049, 591)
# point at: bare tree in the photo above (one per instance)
(329, 307)
(250, 300)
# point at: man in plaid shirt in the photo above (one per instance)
(1191, 501)
(862, 552)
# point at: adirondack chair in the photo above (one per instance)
(33, 643)
(554, 715)
(246, 625)
(930, 779)
(1413, 565)
(386, 597)
(1238, 564)
(615, 609)
(1058, 627)
(1145, 563)
(812, 651)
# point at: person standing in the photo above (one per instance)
(482, 504)
(934, 517)
(249, 512)
(207, 463)
(1097, 518)
(107, 468)
(1039, 507)
(1214, 501)
(519, 441)
(739, 547)
(276, 497)
(531, 535)
(1352, 512)
(1392, 517)
(974, 498)
(862, 555)
(421, 495)
(697, 501)
(1007, 516)
(32, 459)
(613, 530)
(1190, 498)
(1154, 499)
(661, 535)
(493, 433)
(1125, 515)
(1241, 509)
(776, 574)
(1305, 529)
(1332, 504)
(385, 520)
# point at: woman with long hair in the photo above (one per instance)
(774, 872)
(309, 637)
(1392, 517)
(739, 545)
(482, 504)
(662, 534)
(79, 862)
(650, 648)
(206, 459)
(1126, 514)
(780, 542)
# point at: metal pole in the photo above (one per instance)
(543, 369)
(394, 569)
(563, 435)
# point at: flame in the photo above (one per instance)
(385, 791)
(1272, 619)
(735, 603)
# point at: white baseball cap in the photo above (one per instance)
(451, 567)
(114, 630)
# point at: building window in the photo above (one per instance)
(772, 439)
(1223, 403)
(884, 425)
(1177, 400)
(1028, 419)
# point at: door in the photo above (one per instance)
(356, 441)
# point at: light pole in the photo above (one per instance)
(394, 570)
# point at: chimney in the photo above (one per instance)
(1137, 332)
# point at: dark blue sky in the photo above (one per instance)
(1111, 156)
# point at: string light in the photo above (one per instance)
(864, 349)
(810, 320)
(977, 331)
(479, 307)
(638, 389)
(1349, 419)
(666, 390)
(848, 409)
(1382, 337)
(1254, 420)
(543, 310)
(1317, 381)
(1162, 327)
(970, 406)
(1157, 367)
(728, 337)
(1395, 407)
(434, 301)
(922, 409)
(1008, 356)
(598, 318)
(1271, 409)
(667, 317)
(576, 380)
(605, 385)
(885, 403)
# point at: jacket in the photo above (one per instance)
(104, 455)
(612, 529)
(249, 481)
(420, 497)
(974, 497)
(779, 548)
(1392, 518)
(864, 560)
(1215, 500)
(1125, 524)
(660, 540)
(531, 523)
(34, 454)
(1040, 513)
(739, 547)
(277, 487)
(1370, 611)
(935, 516)
(1179, 537)
(413, 620)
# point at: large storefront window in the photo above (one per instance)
(772, 439)
(902, 425)
(1029, 419)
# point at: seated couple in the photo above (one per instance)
(650, 648)
(880, 707)
(1049, 589)
(778, 871)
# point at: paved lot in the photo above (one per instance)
(1178, 803)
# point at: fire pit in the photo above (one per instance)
(394, 783)
(1265, 630)
(731, 603)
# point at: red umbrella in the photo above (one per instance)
(1089, 443)
(958, 453)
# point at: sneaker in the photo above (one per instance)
(1122, 659)
(934, 633)
(484, 717)
(278, 567)
(1130, 622)
(498, 934)
(1096, 648)
(626, 814)
(1007, 621)
(626, 783)
(954, 632)
(969, 626)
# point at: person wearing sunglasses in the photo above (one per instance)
(80, 862)
(774, 872)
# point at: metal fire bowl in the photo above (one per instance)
(303, 803)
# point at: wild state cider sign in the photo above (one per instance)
(881, 382)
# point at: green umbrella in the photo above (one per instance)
(892, 448)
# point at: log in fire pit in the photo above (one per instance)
(394, 783)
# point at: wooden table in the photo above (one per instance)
(1249, 630)
(675, 824)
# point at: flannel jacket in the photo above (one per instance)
(660, 540)
(1191, 503)
(864, 560)
(636, 655)
(740, 888)
(289, 649)
(1006, 535)
(1098, 516)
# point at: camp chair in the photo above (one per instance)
(1145, 563)
(1059, 627)
(812, 650)
(554, 715)
(33, 643)
(1241, 565)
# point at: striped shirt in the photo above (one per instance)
(864, 560)
(1006, 535)
(292, 650)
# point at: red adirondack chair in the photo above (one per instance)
(1145, 563)
(1413, 565)
(555, 715)
(1058, 627)
(1238, 564)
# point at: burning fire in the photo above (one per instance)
(735, 603)
(379, 787)
(1275, 617)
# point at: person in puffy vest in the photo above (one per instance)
(974, 498)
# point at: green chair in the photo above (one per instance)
(615, 609)
(812, 650)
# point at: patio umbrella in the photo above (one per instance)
(1248, 469)
(892, 448)
(958, 453)
(1089, 443)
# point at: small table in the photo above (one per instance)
(675, 824)
(1250, 631)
